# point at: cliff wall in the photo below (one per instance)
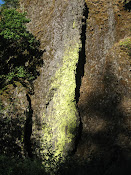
(58, 25)
(103, 63)
(104, 102)
(81, 99)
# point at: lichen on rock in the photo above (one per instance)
(63, 115)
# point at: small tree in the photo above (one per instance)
(19, 50)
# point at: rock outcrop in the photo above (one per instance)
(104, 102)
(106, 72)
(81, 100)
(58, 25)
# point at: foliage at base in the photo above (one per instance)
(17, 166)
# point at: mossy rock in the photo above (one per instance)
(125, 45)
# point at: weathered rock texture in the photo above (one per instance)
(14, 116)
(92, 41)
(104, 102)
(104, 94)
(58, 26)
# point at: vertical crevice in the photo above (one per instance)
(80, 70)
(82, 56)
(28, 128)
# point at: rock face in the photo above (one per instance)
(104, 102)
(104, 93)
(58, 25)
(84, 82)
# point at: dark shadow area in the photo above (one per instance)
(82, 56)
(107, 122)
(19, 62)
(15, 129)
(127, 5)
(11, 133)
(80, 70)
(28, 129)
(19, 166)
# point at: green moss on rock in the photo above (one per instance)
(125, 45)
(63, 121)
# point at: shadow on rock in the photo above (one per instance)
(105, 145)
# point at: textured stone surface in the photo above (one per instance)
(14, 107)
(104, 102)
(58, 26)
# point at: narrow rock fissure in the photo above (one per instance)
(82, 56)
(28, 129)
(80, 70)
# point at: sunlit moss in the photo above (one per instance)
(126, 43)
(63, 120)
(74, 24)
